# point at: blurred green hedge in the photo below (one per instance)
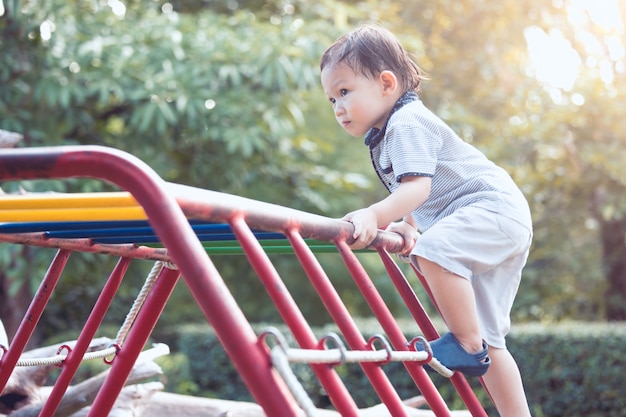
(573, 369)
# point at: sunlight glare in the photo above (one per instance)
(556, 63)
(603, 12)
(118, 8)
(554, 59)
(46, 29)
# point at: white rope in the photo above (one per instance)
(352, 356)
(121, 335)
(158, 350)
(141, 297)
(59, 358)
(282, 356)
(281, 363)
(358, 356)
(440, 368)
(342, 355)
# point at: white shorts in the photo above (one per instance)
(488, 249)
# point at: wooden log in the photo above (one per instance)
(24, 396)
(132, 401)
(83, 394)
(163, 404)
(24, 387)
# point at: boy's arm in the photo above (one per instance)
(412, 193)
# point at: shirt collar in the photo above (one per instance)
(374, 135)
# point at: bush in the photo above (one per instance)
(573, 369)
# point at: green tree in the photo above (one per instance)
(595, 147)
(216, 100)
(566, 155)
(225, 96)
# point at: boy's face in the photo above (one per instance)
(360, 103)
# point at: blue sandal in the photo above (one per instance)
(453, 356)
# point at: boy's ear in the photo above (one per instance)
(389, 82)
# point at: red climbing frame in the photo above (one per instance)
(168, 206)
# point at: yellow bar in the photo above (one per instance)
(59, 200)
(73, 214)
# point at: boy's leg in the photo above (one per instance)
(504, 383)
(455, 300)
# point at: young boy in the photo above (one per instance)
(475, 223)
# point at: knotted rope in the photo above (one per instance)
(114, 346)
(282, 356)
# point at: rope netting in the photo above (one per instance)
(282, 356)
(341, 355)
(116, 344)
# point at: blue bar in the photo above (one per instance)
(128, 231)
(31, 227)
(151, 238)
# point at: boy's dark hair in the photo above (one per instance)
(371, 49)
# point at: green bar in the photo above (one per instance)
(271, 246)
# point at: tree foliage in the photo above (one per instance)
(564, 146)
(225, 96)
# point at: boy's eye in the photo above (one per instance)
(342, 93)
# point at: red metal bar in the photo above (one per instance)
(174, 231)
(32, 316)
(137, 337)
(324, 287)
(220, 207)
(75, 357)
(291, 314)
(389, 324)
(86, 245)
(455, 378)
(374, 373)
(408, 296)
(430, 295)
(419, 314)
(343, 319)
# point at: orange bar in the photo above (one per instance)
(73, 214)
(69, 200)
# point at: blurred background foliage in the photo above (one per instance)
(225, 95)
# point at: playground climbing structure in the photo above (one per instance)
(192, 227)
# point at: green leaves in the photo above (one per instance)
(231, 101)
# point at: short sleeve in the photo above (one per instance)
(410, 150)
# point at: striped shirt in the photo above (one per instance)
(415, 142)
